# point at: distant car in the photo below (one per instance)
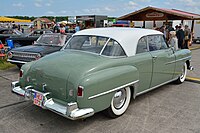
(2, 50)
(102, 69)
(27, 39)
(46, 44)
(6, 33)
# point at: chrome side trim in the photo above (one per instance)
(145, 91)
(15, 61)
(171, 62)
(115, 89)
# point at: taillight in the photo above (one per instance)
(38, 56)
(9, 54)
(80, 91)
(20, 73)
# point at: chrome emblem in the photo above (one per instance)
(28, 79)
(44, 86)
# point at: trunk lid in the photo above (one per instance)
(62, 71)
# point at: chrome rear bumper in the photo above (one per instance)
(70, 111)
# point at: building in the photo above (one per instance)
(88, 21)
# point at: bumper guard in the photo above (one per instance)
(70, 111)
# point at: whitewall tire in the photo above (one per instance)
(182, 77)
(119, 103)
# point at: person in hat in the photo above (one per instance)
(180, 35)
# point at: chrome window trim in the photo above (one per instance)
(146, 45)
(112, 90)
(104, 46)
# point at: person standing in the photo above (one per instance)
(173, 41)
(77, 28)
(56, 28)
(187, 36)
(62, 28)
(180, 35)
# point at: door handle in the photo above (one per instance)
(155, 57)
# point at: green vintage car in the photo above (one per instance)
(102, 69)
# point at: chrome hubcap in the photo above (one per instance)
(119, 99)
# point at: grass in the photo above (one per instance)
(5, 65)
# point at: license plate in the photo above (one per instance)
(38, 99)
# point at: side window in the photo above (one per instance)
(156, 42)
(163, 43)
(113, 48)
(142, 45)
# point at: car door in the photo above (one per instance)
(162, 59)
(143, 62)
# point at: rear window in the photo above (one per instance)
(96, 44)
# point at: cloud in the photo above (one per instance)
(18, 5)
(168, 3)
(64, 12)
(50, 13)
(38, 3)
(191, 3)
(109, 9)
(48, 4)
(130, 5)
(143, 1)
(104, 10)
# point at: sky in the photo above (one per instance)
(111, 8)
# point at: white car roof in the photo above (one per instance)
(127, 37)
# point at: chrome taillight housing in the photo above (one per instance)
(21, 73)
(80, 91)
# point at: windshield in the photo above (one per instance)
(52, 39)
(11, 31)
(17, 32)
(96, 44)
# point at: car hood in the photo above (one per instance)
(43, 50)
(62, 71)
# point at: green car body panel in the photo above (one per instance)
(99, 76)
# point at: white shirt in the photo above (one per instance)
(174, 42)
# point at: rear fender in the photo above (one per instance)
(100, 86)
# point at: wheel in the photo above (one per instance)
(181, 78)
(119, 103)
